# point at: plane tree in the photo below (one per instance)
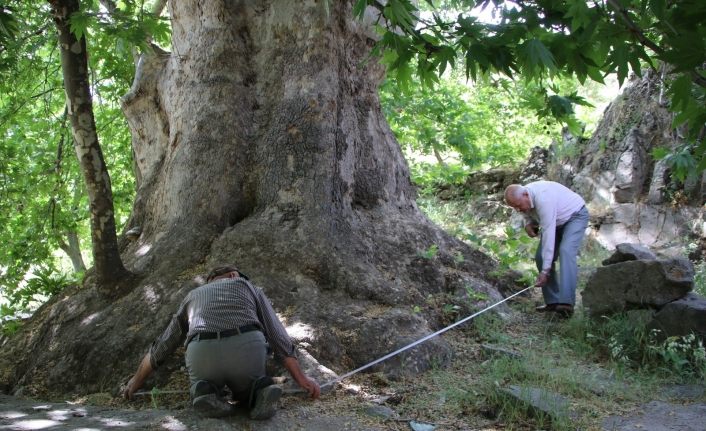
(259, 139)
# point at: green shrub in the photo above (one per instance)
(430, 177)
(18, 302)
(623, 340)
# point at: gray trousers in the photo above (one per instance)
(561, 288)
(235, 362)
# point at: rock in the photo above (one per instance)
(637, 284)
(660, 180)
(685, 392)
(681, 317)
(626, 251)
(382, 412)
(421, 426)
(493, 350)
(631, 170)
(490, 181)
(536, 167)
(541, 401)
(660, 416)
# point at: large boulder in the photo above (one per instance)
(637, 284)
(681, 317)
(627, 251)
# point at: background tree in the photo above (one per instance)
(79, 104)
(44, 203)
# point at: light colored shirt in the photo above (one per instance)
(222, 305)
(553, 204)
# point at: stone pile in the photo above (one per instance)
(635, 278)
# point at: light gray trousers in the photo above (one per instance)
(235, 362)
(561, 288)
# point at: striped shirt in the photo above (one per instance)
(222, 305)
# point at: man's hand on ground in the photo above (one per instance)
(136, 382)
(130, 389)
(311, 387)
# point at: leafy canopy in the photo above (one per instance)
(539, 39)
(489, 124)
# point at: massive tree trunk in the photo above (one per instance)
(74, 63)
(260, 141)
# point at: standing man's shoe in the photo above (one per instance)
(545, 308)
(564, 310)
(266, 402)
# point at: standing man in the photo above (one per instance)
(562, 218)
(226, 324)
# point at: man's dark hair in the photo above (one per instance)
(220, 270)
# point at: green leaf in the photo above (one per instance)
(8, 23)
(680, 89)
(533, 53)
(618, 59)
(359, 8)
(559, 106)
(659, 153)
(686, 52)
(78, 24)
(399, 13)
(579, 13)
(658, 8)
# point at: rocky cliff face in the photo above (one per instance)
(633, 197)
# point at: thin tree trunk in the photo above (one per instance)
(73, 250)
(74, 61)
(439, 159)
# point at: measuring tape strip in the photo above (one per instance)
(383, 358)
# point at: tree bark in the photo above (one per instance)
(74, 62)
(260, 141)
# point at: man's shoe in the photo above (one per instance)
(564, 310)
(212, 406)
(265, 402)
(545, 308)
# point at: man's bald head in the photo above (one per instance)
(517, 196)
(513, 192)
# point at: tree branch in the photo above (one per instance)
(644, 40)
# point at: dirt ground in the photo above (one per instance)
(453, 398)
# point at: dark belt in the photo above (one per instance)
(222, 334)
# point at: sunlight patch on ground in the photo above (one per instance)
(59, 415)
(173, 424)
(300, 331)
(12, 415)
(114, 422)
(34, 424)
